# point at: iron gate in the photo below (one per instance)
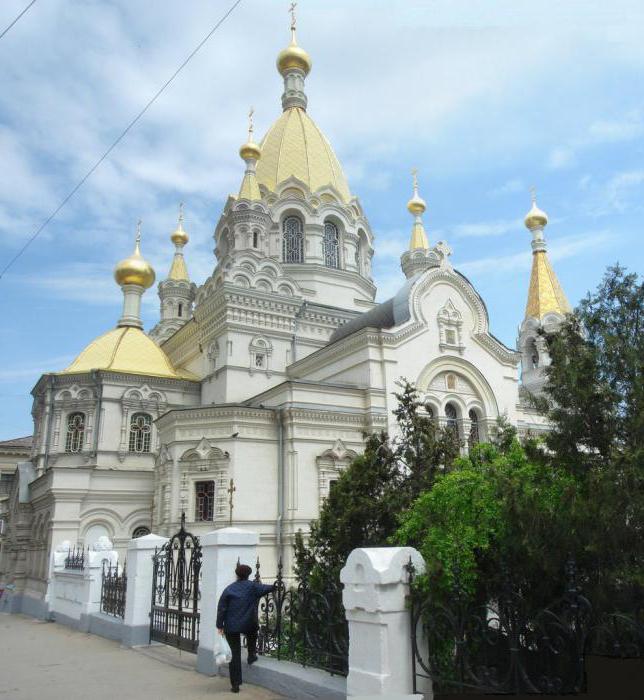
(174, 617)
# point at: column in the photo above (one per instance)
(220, 551)
(138, 599)
(101, 552)
(380, 654)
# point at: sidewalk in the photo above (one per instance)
(45, 661)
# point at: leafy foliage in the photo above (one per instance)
(365, 503)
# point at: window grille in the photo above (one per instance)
(75, 432)
(140, 432)
(474, 428)
(292, 240)
(452, 419)
(260, 360)
(204, 500)
(140, 531)
(331, 245)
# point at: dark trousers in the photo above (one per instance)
(234, 667)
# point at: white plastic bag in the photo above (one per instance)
(223, 654)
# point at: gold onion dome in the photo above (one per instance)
(135, 269)
(179, 236)
(416, 205)
(535, 218)
(250, 150)
(293, 56)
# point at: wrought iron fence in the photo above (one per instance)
(113, 590)
(304, 625)
(618, 635)
(75, 558)
(499, 647)
(174, 615)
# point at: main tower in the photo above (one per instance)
(295, 206)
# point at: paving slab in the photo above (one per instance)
(48, 661)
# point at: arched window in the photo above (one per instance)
(140, 531)
(75, 432)
(474, 437)
(452, 419)
(430, 412)
(331, 245)
(292, 240)
(255, 239)
(180, 310)
(140, 432)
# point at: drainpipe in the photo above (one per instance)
(99, 407)
(298, 315)
(49, 410)
(279, 417)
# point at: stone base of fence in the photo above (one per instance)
(292, 680)
(106, 626)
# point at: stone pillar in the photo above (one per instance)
(220, 550)
(380, 655)
(100, 553)
(138, 600)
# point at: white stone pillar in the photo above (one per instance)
(220, 550)
(138, 597)
(101, 553)
(380, 654)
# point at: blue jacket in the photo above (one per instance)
(237, 608)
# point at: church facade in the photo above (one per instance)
(255, 389)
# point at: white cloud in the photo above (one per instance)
(559, 250)
(561, 157)
(32, 371)
(622, 188)
(509, 187)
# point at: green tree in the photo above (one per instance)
(365, 503)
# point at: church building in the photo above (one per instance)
(255, 389)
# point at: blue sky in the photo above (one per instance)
(484, 97)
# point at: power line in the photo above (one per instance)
(33, 2)
(119, 139)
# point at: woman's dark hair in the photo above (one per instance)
(243, 571)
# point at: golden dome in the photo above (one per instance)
(129, 350)
(295, 147)
(535, 218)
(416, 205)
(135, 269)
(293, 56)
(250, 151)
(179, 236)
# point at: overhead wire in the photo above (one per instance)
(89, 173)
(33, 2)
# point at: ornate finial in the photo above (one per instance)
(414, 174)
(180, 213)
(138, 232)
(291, 9)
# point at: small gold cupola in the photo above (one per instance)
(293, 57)
(250, 153)
(416, 207)
(134, 275)
(135, 269)
(178, 269)
(545, 294)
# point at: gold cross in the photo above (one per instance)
(291, 9)
(138, 231)
(250, 123)
(180, 212)
(414, 174)
(533, 194)
(231, 491)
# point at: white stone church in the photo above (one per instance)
(266, 378)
